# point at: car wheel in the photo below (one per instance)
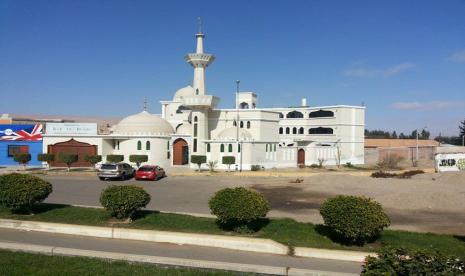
(101, 178)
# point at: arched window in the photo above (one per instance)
(181, 108)
(280, 130)
(320, 130)
(248, 124)
(321, 113)
(294, 130)
(301, 130)
(230, 147)
(288, 130)
(139, 145)
(208, 147)
(244, 105)
(222, 148)
(295, 114)
(281, 115)
(242, 124)
(147, 145)
(196, 119)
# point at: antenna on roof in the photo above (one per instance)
(199, 20)
(145, 104)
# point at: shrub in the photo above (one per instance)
(198, 159)
(212, 165)
(381, 174)
(93, 159)
(68, 158)
(407, 174)
(238, 207)
(399, 261)
(123, 201)
(115, 158)
(255, 167)
(321, 161)
(314, 166)
(138, 159)
(46, 157)
(22, 158)
(354, 219)
(390, 161)
(229, 160)
(19, 192)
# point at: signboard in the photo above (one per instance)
(71, 129)
(450, 162)
(21, 132)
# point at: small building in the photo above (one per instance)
(378, 149)
(20, 139)
(450, 159)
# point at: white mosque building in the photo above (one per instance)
(191, 124)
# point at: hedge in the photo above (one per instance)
(123, 201)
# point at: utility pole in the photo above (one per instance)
(237, 124)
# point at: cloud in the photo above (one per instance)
(457, 57)
(361, 72)
(435, 105)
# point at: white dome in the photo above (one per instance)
(185, 91)
(184, 129)
(143, 123)
(231, 132)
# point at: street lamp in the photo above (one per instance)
(237, 122)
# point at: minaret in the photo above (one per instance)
(200, 61)
(200, 103)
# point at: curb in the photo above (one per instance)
(175, 262)
(218, 241)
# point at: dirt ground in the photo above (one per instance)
(429, 203)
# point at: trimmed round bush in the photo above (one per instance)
(238, 206)
(123, 201)
(354, 219)
(19, 192)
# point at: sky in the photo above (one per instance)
(404, 60)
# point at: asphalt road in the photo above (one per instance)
(175, 251)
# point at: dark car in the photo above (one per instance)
(150, 173)
(115, 171)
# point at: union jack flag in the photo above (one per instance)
(21, 132)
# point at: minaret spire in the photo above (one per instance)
(199, 21)
(145, 104)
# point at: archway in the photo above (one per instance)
(301, 157)
(180, 152)
(72, 147)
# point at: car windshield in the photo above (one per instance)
(108, 167)
(145, 169)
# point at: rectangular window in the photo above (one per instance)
(195, 145)
(195, 130)
(14, 149)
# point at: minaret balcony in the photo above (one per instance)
(197, 60)
(200, 101)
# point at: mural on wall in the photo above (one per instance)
(450, 162)
(21, 132)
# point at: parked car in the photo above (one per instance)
(147, 172)
(115, 171)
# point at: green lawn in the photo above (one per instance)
(21, 264)
(286, 231)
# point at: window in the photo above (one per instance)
(234, 123)
(116, 144)
(14, 149)
(195, 130)
(274, 147)
(320, 130)
(301, 130)
(181, 108)
(242, 124)
(195, 145)
(195, 119)
(287, 130)
(168, 145)
(295, 114)
(248, 124)
(281, 115)
(280, 130)
(139, 145)
(239, 148)
(294, 130)
(321, 113)
(230, 147)
(244, 105)
(222, 148)
(266, 148)
(147, 145)
(208, 147)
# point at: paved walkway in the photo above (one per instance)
(175, 251)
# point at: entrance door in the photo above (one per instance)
(301, 157)
(180, 152)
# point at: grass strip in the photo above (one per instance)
(285, 231)
(20, 264)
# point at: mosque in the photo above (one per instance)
(191, 124)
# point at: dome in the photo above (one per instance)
(184, 129)
(230, 133)
(185, 91)
(143, 123)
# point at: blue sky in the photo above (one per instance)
(404, 59)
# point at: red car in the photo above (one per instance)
(150, 173)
